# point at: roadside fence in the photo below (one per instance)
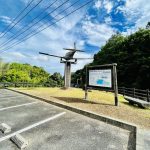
(132, 92)
(136, 93)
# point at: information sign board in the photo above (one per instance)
(100, 78)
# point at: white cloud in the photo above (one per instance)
(64, 34)
(97, 34)
(6, 19)
(129, 31)
(108, 20)
(138, 12)
(82, 63)
(40, 58)
(18, 55)
(52, 41)
(13, 56)
(98, 4)
(108, 5)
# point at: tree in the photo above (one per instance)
(148, 25)
(131, 53)
(58, 78)
(16, 76)
(3, 68)
(31, 74)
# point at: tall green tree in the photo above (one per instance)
(58, 78)
(148, 25)
(30, 74)
(132, 54)
(3, 68)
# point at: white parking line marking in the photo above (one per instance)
(8, 100)
(5, 96)
(11, 97)
(8, 96)
(31, 126)
(25, 104)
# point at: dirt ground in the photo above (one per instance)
(99, 102)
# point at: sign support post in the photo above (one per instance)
(86, 93)
(86, 89)
(115, 84)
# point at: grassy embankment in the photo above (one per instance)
(99, 102)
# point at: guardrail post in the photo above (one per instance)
(148, 96)
(133, 92)
(123, 91)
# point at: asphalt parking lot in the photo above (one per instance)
(47, 127)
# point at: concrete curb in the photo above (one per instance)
(115, 122)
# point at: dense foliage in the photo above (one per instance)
(26, 73)
(131, 53)
(3, 67)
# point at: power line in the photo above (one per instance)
(16, 43)
(9, 39)
(49, 25)
(5, 30)
(22, 18)
(16, 36)
(53, 17)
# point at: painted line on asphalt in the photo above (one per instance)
(25, 104)
(12, 97)
(31, 126)
(8, 100)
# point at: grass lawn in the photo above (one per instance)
(99, 102)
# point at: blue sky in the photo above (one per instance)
(90, 28)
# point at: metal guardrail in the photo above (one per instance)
(136, 93)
